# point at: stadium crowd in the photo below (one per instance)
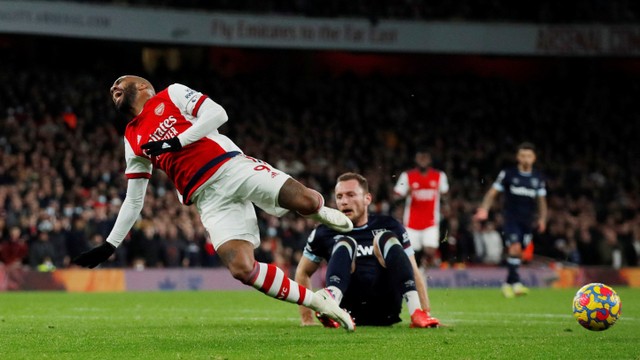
(62, 161)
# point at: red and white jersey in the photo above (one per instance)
(422, 207)
(166, 115)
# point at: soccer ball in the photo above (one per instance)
(596, 306)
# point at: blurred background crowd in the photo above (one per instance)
(315, 115)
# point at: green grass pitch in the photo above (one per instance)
(481, 324)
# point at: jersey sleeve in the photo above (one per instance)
(542, 190)
(444, 183)
(186, 99)
(403, 235)
(205, 114)
(402, 185)
(499, 183)
(137, 166)
(311, 249)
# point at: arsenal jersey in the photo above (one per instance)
(422, 207)
(166, 115)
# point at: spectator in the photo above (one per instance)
(173, 247)
(489, 247)
(42, 253)
(146, 245)
(14, 250)
(58, 238)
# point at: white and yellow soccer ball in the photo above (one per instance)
(596, 306)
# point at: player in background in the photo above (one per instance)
(371, 269)
(423, 189)
(176, 130)
(524, 206)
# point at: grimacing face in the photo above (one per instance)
(352, 201)
(123, 93)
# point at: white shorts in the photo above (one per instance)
(429, 237)
(225, 202)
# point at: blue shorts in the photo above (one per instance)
(514, 232)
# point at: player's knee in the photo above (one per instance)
(430, 251)
(382, 243)
(241, 273)
(237, 256)
(297, 197)
(515, 249)
(310, 202)
(242, 270)
(347, 243)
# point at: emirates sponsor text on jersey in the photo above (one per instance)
(165, 130)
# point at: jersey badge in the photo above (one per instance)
(377, 231)
(159, 109)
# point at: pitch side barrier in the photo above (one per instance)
(119, 280)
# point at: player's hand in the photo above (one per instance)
(481, 214)
(155, 148)
(95, 256)
(542, 226)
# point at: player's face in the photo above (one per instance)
(423, 160)
(353, 201)
(123, 93)
(526, 158)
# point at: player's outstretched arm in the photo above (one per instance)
(421, 285)
(306, 268)
(129, 211)
(483, 211)
(401, 189)
(542, 214)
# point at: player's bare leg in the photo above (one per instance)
(237, 256)
(309, 203)
(431, 257)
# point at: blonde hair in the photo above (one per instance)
(364, 184)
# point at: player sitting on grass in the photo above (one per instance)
(371, 268)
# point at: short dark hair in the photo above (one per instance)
(364, 184)
(423, 149)
(527, 146)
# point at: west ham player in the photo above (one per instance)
(371, 268)
(176, 130)
(423, 187)
(524, 192)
